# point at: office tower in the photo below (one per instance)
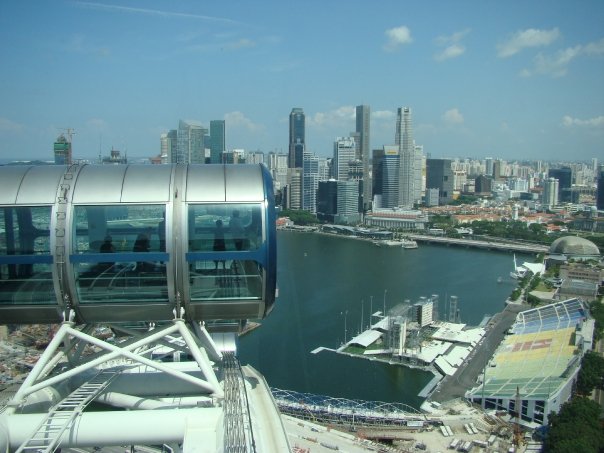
(363, 128)
(343, 156)
(390, 177)
(293, 191)
(191, 143)
(377, 160)
(327, 200)
(600, 190)
(62, 150)
(488, 166)
(297, 127)
(439, 175)
(168, 143)
(564, 176)
(348, 202)
(217, 140)
(550, 192)
(310, 181)
(420, 171)
(409, 171)
(497, 169)
(483, 185)
(277, 165)
(254, 157)
(594, 166)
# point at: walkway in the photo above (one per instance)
(489, 245)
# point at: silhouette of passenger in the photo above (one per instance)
(142, 244)
(237, 232)
(106, 247)
(219, 244)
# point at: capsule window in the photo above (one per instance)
(119, 253)
(225, 241)
(25, 260)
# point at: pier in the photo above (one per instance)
(516, 247)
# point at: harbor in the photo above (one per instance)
(409, 335)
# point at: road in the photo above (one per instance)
(464, 379)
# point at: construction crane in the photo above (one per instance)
(69, 132)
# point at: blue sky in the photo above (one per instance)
(509, 79)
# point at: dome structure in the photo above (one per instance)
(574, 246)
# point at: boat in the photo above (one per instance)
(408, 244)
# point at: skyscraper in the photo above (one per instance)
(600, 190)
(310, 181)
(191, 143)
(550, 192)
(217, 140)
(564, 176)
(343, 156)
(439, 175)
(168, 145)
(297, 132)
(390, 177)
(410, 162)
(363, 116)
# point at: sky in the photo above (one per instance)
(518, 80)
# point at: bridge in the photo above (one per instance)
(517, 247)
(342, 411)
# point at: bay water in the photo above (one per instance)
(328, 286)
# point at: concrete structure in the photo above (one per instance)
(344, 151)
(410, 160)
(62, 150)
(550, 193)
(397, 219)
(168, 147)
(348, 202)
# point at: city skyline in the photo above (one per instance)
(510, 80)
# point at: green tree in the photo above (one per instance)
(591, 374)
(576, 428)
(300, 217)
(596, 309)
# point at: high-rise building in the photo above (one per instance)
(217, 140)
(277, 165)
(483, 185)
(191, 143)
(297, 132)
(390, 177)
(550, 192)
(348, 202)
(62, 151)
(564, 176)
(310, 181)
(168, 145)
(293, 192)
(343, 156)
(439, 175)
(488, 166)
(363, 128)
(327, 200)
(600, 191)
(410, 162)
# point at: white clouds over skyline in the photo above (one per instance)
(557, 64)
(453, 117)
(525, 39)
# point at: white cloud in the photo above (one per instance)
(527, 38)
(452, 51)
(7, 125)
(596, 122)
(340, 117)
(238, 120)
(453, 116)
(557, 65)
(452, 45)
(397, 37)
(383, 115)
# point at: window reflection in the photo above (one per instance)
(25, 261)
(119, 253)
(215, 232)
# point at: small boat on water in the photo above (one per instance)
(408, 244)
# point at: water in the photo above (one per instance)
(326, 284)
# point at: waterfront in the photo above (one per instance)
(322, 281)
